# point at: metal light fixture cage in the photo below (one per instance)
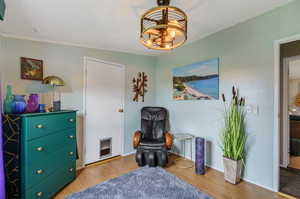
(163, 27)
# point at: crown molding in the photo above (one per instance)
(150, 54)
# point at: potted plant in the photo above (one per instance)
(233, 137)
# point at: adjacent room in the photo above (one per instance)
(149, 99)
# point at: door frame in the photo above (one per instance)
(285, 114)
(276, 143)
(85, 60)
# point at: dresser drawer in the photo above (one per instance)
(43, 125)
(40, 148)
(38, 169)
(53, 183)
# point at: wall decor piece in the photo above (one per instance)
(198, 81)
(139, 86)
(31, 69)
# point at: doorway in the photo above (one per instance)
(290, 118)
(103, 104)
(286, 111)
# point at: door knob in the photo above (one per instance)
(120, 110)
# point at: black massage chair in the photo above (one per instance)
(152, 142)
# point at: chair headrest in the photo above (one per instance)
(154, 113)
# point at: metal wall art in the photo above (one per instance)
(139, 86)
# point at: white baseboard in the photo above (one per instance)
(222, 171)
(79, 168)
(130, 153)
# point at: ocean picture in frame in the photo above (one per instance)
(198, 81)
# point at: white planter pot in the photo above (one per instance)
(232, 170)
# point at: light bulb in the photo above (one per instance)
(149, 42)
(173, 33)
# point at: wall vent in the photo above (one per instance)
(105, 147)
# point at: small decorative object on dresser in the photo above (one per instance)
(47, 143)
(19, 104)
(55, 82)
(31, 69)
(234, 137)
(9, 99)
(139, 86)
(32, 103)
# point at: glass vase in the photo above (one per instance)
(19, 104)
(8, 101)
(32, 103)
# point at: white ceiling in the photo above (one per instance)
(114, 24)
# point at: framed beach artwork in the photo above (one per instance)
(31, 69)
(198, 81)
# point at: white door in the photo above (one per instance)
(104, 93)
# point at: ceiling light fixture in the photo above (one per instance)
(163, 27)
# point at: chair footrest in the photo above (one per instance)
(152, 157)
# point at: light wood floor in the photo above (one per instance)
(211, 183)
(294, 162)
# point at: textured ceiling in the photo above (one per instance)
(114, 24)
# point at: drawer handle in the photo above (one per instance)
(71, 120)
(40, 126)
(40, 171)
(71, 136)
(71, 153)
(40, 148)
(71, 169)
(39, 194)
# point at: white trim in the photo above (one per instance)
(222, 171)
(285, 114)
(130, 153)
(85, 59)
(276, 144)
(81, 167)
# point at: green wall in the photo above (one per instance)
(67, 62)
(246, 60)
(246, 55)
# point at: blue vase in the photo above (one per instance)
(19, 104)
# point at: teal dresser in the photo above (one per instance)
(48, 153)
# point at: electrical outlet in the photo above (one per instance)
(251, 109)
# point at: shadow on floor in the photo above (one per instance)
(290, 181)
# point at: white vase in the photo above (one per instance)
(232, 170)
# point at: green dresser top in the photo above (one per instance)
(46, 113)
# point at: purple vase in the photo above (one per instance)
(200, 156)
(19, 104)
(32, 103)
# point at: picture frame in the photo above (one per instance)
(197, 81)
(31, 69)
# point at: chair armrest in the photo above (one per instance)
(136, 139)
(169, 141)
